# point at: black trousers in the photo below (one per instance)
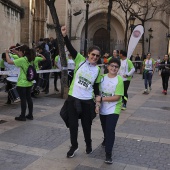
(56, 76)
(25, 97)
(126, 86)
(165, 79)
(108, 123)
(8, 87)
(46, 76)
(86, 120)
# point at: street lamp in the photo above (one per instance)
(150, 36)
(132, 21)
(86, 24)
(168, 47)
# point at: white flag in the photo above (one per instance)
(134, 39)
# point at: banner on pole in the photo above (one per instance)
(134, 39)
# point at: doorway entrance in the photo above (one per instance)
(101, 39)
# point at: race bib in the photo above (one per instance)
(148, 66)
(83, 83)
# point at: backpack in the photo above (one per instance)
(31, 73)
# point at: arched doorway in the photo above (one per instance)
(101, 39)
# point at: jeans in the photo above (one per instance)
(108, 123)
(25, 97)
(148, 79)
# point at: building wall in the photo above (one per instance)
(10, 27)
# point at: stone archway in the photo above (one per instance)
(98, 20)
(101, 39)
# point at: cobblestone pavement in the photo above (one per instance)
(142, 134)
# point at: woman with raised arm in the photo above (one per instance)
(81, 93)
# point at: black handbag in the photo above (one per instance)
(64, 113)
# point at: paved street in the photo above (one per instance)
(142, 135)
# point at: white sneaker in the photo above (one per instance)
(146, 91)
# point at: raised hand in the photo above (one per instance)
(64, 31)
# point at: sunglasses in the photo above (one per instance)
(114, 66)
(97, 55)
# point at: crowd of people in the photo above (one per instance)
(86, 82)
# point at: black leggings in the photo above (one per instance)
(165, 79)
(108, 123)
(86, 120)
(25, 97)
(126, 86)
(56, 76)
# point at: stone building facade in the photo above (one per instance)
(25, 21)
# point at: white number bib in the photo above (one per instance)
(83, 83)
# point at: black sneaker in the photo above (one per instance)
(103, 144)
(71, 152)
(108, 159)
(30, 117)
(20, 118)
(88, 150)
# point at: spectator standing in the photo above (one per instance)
(45, 65)
(126, 71)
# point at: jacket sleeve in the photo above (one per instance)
(70, 48)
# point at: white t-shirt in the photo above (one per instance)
(123, 69)
(10, 67)
(149, 64)
(84, 79)
(110, 87)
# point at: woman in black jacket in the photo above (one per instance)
(84, 85)
(165, 72)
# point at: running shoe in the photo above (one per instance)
(71, 152)
(88, 150)
(146, 91)
(123, 107)
(108, 159)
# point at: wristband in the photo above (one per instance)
(101, 99)
(97, 105)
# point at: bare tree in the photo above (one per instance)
(64, 87)
(108, 20)
(126, 5)
(144, 10)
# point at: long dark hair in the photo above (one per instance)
(29, 53)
